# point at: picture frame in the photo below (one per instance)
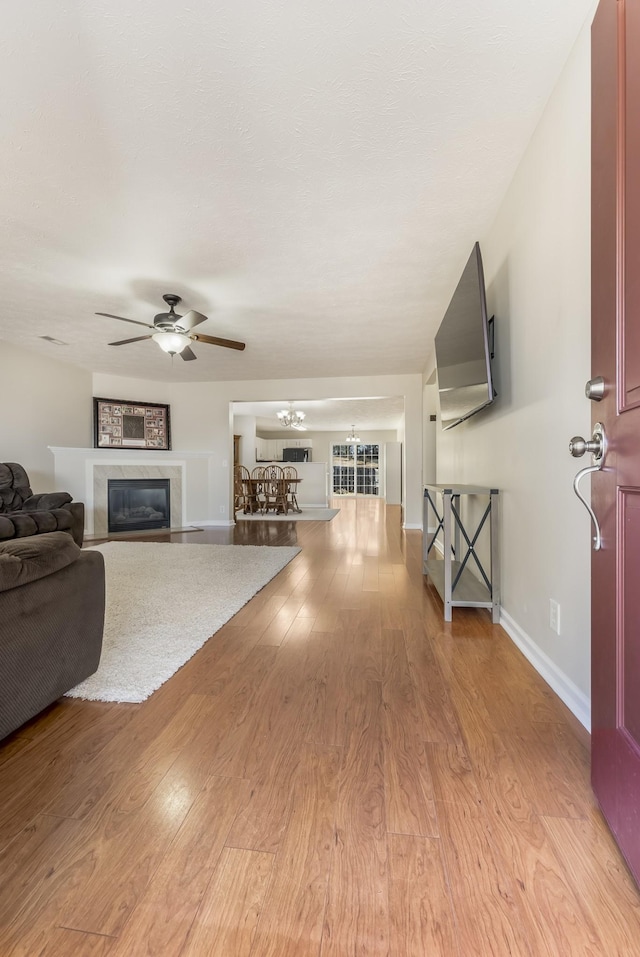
(122, 424)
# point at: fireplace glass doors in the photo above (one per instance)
(138, 504)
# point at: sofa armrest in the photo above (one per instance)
(25, 560)
(77, 521)
(46, 500)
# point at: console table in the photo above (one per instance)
(456, 584)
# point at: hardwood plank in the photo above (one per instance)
(113, 881)
(217, 663)
(270, 610)
(220, 737)
(292, 915)
(328, 724)
(32, 779)
(489, 918)
(272, 747)
(357, 917)
(226, 922)
(98, 882)
(99, 780)
(263, 817)
(600, 879)
(62, 942)
(49, 721)
(276, 630)
(433, 697)
(28, 859)
(162, 919)
(557, 778)
(276, 705)
(552, 910)
(421, 914)
(409, 800)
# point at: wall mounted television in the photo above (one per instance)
(464, 348)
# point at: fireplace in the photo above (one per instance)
(138, 504)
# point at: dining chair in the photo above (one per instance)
(275, 489)
(289, 472)
(258, 482)
(242, 498)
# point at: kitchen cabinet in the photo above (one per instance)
(298, 443)
(270, 450)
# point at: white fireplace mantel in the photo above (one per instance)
(84, 473)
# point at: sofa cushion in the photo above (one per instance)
(14, 486)
(22, 524)
(46, 500)
(23, 560)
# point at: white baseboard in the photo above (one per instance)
(575, 699)
(413, 526)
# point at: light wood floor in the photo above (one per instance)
(337, 773)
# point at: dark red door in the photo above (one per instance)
(615, 326)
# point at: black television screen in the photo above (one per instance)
(463, 353)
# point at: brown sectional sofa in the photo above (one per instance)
(22, 513)
(52, 599)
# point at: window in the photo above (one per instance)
(356, 469)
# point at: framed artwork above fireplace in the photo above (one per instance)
(122, 424)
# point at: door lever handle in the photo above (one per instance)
(597, 538)
(597, 445)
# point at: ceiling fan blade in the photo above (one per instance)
(191, 319)
(124, 342)
(187, 354)
(122, 319)
(215, 341)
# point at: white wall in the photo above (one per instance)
(245, 427)
(393, 473)
(537, 268)
(202, 419)
(429, 430)
(44, 402)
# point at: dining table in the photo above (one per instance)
(289, 488)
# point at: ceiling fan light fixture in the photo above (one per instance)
(171, 342)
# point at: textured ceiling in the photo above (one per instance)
(309, 174)
(328, 415)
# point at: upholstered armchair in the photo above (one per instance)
(22, 513)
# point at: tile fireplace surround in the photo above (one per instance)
(84, 473)
(102, 473)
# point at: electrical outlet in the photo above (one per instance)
(554, 616)
(222, 509)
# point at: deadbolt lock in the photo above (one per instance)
(594, 389)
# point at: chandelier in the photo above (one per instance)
(352, 437)
(291, 419)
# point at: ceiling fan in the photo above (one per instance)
(173, 332)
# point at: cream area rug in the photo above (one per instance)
(308, 514)
(164, 601)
